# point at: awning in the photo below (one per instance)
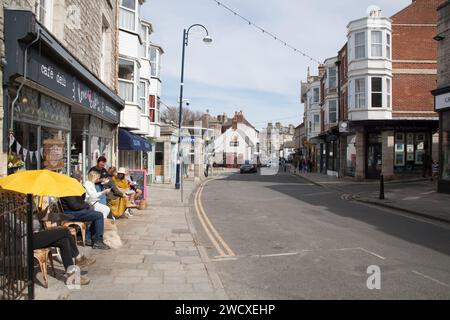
(131, 142)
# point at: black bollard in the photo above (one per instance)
(381, 187)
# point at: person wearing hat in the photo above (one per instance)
(124, 185)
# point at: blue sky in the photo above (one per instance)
(243, 69)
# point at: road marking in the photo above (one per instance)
(277, 255)
(373, 253)
(430, 278)
(211, 232)
(208, 233)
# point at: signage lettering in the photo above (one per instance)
(443, 101)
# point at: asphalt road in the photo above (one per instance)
(296, 240)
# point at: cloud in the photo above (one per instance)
(244, 67)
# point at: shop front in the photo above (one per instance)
(394, 148)
(133, 150)
(59, 116)
(442, 103)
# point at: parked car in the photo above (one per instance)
(248, 168)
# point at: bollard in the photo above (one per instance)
(381, 187)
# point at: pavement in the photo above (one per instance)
(159, 258)
(292, 239)
(415, 195)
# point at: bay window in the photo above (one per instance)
(152, 111)
(316, 95)
(388, 46)
(154, 61)
(316, 123)
(142, 89)
(377, 92)
(360, 45)
(332, 111)
(388, 93)
(126, 80)
(128, 14)
(332, 78)
(377, 44)
(360, 93)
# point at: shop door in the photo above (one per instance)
(374, 160)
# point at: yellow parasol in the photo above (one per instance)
(42, 183)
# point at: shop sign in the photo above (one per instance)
(54, 154)
(47, 73)
(443, 101)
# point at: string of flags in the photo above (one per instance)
(268, 33)
(25, 152)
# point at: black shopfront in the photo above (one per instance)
(58, 115)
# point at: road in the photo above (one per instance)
(281, 237)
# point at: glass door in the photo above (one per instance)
(374, 156)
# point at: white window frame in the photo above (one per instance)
(388, 93)
(316, 124)
(133, 82)
(376, 92)
(143, 96)
(335, 111)
(314, 95)
(388, 46)
(378, 45)
(47, 7)
(360, 95)
(136, 15)
(330, 77)
(154, 73)
(363, 45)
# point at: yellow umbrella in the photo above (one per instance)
(42, 183)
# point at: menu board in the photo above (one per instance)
(54, 154)
(139, 177)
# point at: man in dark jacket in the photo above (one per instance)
(81, 211)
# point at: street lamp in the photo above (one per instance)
(207, 40)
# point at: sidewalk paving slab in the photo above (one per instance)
(159, 258)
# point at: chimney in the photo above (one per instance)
(321, 70)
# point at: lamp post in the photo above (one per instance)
(207, 40)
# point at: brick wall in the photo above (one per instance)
(414, 55)
(444, 47)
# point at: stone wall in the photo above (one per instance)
(3, 156)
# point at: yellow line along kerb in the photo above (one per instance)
(211, 232)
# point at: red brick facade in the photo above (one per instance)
(414, 55)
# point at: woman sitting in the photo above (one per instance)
(125, 187)
(116, 199)
(93, 196)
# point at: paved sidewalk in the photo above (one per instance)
(159, 258)
(416, 196)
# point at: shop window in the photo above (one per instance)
(159, 154)
(360, 45)
(351, 155)
(377, 92)
(445, 137)
(410, 149)
(126, 79)
(377, 44)
(128, 12)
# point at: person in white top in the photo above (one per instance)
(92, 195)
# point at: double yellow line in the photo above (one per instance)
(221, 246)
